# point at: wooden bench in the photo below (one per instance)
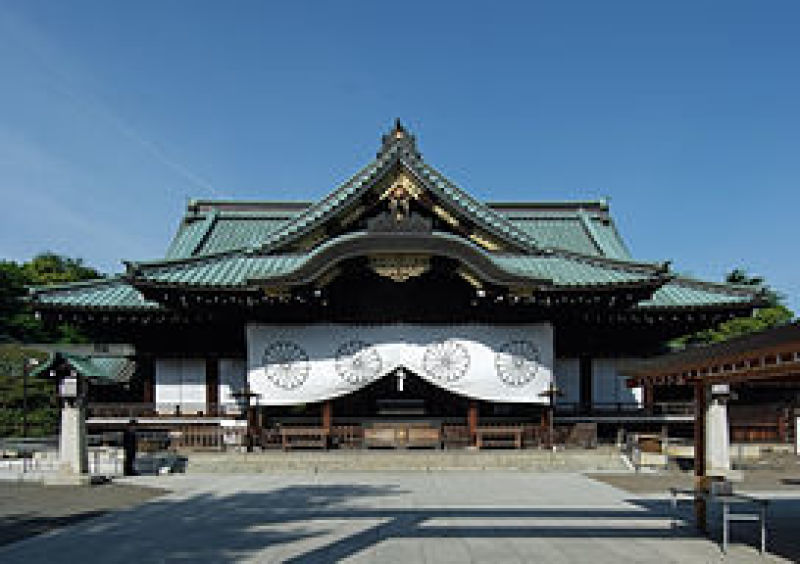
(304, 437)
(499, 437)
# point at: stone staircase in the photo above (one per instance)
(578, 460)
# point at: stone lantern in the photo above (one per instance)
(73, 453)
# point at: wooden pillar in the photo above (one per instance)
(700, 480)
(783, 424)
(147, 365)
(327, 415)
(547, 414)
(472, 420)
(212, 385)
(585, 390)
(648, 396)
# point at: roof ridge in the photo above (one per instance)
(576, 204)
(208, 224)
(590, 231)
(365, 174)
(524, 237)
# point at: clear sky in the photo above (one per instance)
(685, 114)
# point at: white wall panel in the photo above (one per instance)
(168, 384)
(180, 381)
(193, 388)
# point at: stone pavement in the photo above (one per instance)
(29, 509)
(479, 516)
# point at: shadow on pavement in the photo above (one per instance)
(783, 524)
(338, 521)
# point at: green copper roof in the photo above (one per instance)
(220, 231)
(236, 269)
(99, 369)
(568, 271)
(189, 236)
(563, 233)
(108, 294)
(342, 198)
(685, 292)
(471, 208)
(221, 271)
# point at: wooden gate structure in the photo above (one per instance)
(760, 365)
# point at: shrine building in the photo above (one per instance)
(397, 299)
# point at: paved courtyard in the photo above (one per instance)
(400, 517)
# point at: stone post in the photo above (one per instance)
(717, 455)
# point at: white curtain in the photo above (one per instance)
(308, 363)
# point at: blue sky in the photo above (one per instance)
(685, 114)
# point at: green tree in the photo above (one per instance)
(42, 405)
(17, 322)
(772, 314)
(50, 268)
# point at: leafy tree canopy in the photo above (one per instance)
(773, 314)
(17, 322)
(50, 268)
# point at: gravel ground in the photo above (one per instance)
(30, 509)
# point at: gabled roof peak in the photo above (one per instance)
(399, 136)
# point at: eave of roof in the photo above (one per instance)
(236, 269)
(100, 370)
(105, 294)
(753, 344)
(687, 293)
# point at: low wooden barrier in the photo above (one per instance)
(499, 436)
(403, 435)
(304, 437)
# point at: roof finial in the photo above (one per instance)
(399, 135)
(399, 131)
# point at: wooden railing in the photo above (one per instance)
(133, 410)
(623, 408)
(194, 437)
